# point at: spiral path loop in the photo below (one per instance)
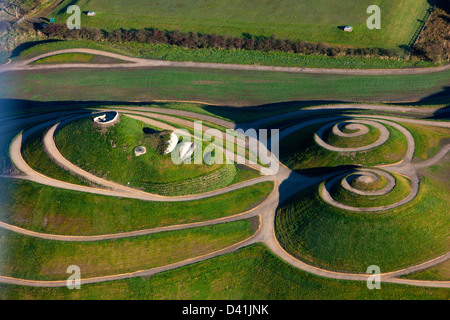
(368, 176)
(352, 125)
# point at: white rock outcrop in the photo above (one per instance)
(173, 141)
(187, 149)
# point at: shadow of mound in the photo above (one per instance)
(313, 172)
(148, 130)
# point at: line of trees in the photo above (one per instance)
(195, 40)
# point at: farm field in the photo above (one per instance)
(305, 20)
(249, 88)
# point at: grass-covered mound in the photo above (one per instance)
(248, 88)
(109, 153)
(336, 239)
(252, 273)
(33, 258)
(351, 142)
(342, 195)
(300, 151)
(34, 154)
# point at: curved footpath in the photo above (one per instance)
(130, 62)
(291, 184)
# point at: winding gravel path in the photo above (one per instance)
(285, 180)
(130, 62)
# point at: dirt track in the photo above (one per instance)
(130, 62)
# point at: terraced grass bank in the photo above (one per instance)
(50, 259)
(50, 210)
(251, 273)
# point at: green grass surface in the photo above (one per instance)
(440, 272)
(341, 240)
(299, 151)
(66, 58)
(251, 273)
(304, 20)
(225, 87)
(50, 259)
(428, 140)
(36, 157)
(376, 185)
(176, 53)
(52, 210)
(351, 142)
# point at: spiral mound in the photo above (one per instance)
(352, 129)
(367, 182)
(366, 189)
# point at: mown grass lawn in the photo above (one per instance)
(33, 258)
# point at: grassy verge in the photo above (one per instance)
(32, 258)
(251, 273)
(336, 239)
(51, 210)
